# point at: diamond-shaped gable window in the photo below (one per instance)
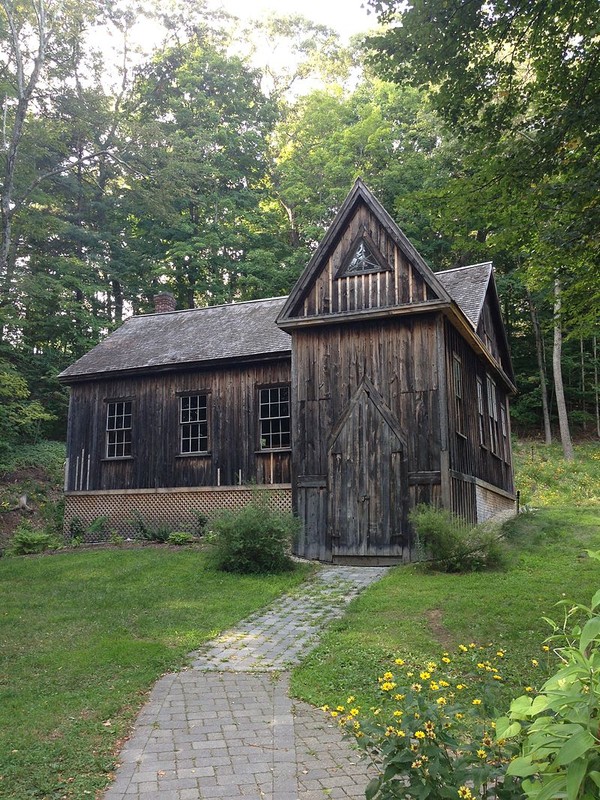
(362, 258)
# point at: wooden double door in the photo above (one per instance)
(368, 480)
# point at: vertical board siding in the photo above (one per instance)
(467, 455)
(155, 462)
(399, 285)
(399, 359)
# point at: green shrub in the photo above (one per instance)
(201, 523)
(27, 541)
(254, 540)
(557, 730)
(449, 544)
(147, 532)
(180, 538)
(76, 531)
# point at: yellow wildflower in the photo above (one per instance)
(445, 684)
(388, 676)
(534, 662)
(545, 648)
(441, 701)
(398, 713)
(477, 702)
(461, 686)
(419, 734)
(445, 659)
(464, 793)
(424, 675)
(458, 715)
(399, 661)
(340, 708)
(399, 697)
(529, 688)
(462, 648)
(351, 699)
(481, 753)
(431, 665)
(388, 686)
(324, 708)
(497, 677)
(354, 712)
(434, 686)
(416, 687)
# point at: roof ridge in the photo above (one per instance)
(467, 266)
(205, 308)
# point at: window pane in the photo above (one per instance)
(274, 417)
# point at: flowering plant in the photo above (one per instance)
(559, 730)
(431, 736)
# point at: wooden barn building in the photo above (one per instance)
(376, 385)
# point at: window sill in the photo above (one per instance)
(118, 458)
(273, 450)
(199, 454)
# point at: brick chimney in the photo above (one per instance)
(164, 302)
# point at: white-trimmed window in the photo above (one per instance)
(480, 412)
(193, 423)
(274, 417)
(493, 414)
(458, 392)
(118, 429)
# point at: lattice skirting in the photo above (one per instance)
(95, 516)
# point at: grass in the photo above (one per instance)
(83, 637)
(421, 614)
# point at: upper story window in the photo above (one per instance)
(480, 412)
(118, 429)
(274, 417)
(193, 424)
(504, 430)
(493, 414)
(458, 392)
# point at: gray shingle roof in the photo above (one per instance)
(237, 330)
(467, 286)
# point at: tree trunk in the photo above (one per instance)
(539, 350)
(596, 392)
(563, 420)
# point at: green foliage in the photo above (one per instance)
(453, 546)
(20, 417)
(557, 730)
(201, 522)
(254, 539)
(545, 479)
(430, 734)
(27, 541)
(180, 538)
(84, 637)
(146, 532)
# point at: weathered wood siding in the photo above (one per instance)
(234, 456)
(488, 331)
(471, 454)
(400, 284)
(391, 434)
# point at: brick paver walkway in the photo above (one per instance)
(227, 728)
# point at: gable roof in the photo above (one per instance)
(357, 195)
(467, 286)
(177, 338)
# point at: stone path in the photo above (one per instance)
(227, 729)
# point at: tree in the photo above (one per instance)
(200, 135)
(520, 83)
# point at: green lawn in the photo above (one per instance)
(83, 637)
(415, 613)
